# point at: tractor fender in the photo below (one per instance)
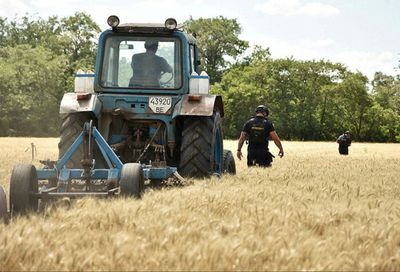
(80, 102)
(198, 105)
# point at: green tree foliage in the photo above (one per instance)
(387, 91)
(384, 116)
(38, 59)
(81, 32)
(218, 39)
(356, 101)
(31, 84)
(74, 36)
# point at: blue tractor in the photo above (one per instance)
(144, 114)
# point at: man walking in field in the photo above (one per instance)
(257, 131)
(344, 142)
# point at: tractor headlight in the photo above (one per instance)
(113, 21)
(171, 23)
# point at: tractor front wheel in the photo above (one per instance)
(131, 182)
(202, 146)
(23, 184)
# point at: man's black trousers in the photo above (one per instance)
(258, 156)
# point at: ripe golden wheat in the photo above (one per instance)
(313, 210)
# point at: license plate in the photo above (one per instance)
(160, 104)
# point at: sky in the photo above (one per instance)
(362, 34)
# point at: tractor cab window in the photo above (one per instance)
(192, 65)
(142, 63)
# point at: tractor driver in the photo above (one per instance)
(257, 131)
(148, 67)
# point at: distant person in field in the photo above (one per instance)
(148, 67)
(257, 131)
(344, 142)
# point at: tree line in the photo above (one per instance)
(38, 59)
(308, 100)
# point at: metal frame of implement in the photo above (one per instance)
(63, 175)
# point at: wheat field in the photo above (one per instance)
(313, 210)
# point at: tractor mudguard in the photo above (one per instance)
(80, 102)
(198, 105)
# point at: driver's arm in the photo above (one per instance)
(165, 67)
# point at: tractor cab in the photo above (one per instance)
(145, 58)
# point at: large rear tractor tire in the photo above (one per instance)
(202, 146)
(71, 127)
(132, 181)
(229, 163)
(23, 184)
